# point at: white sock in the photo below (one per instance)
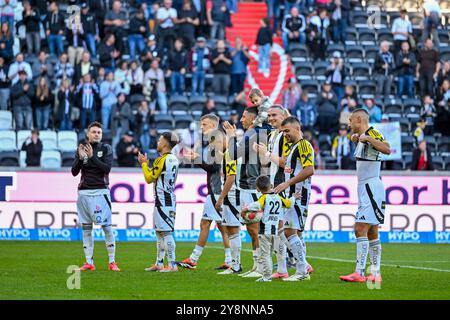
(88, 243)
(235, 248)
(110, 242)
(160, 252)
(169, 246)
(362, 249)
(255, 258)
(303, 246)
(297, 251)
(375, 256)
(196, 253)
(227, 256)
(280, 251)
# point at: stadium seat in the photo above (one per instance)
(398, 165)
(311, 85)
(298, 52)
(22, 135)
(67, 141)
(431, 143)
(408, 143)
(371, 52)
(183, 121)
(394, 117)
(196, 104)
(367, 89)
(330, 163)
(9, 159)
(324, 142)
(445, 53)
(444, 145)
(22, 159)
(360, 71)
(220, 102)
(67, 158)
(5, 120)
(8, 140)
(304, 70)
(394, 14)
(391, 5)
(438, 163)
(447, 163)
(410, 5)
(393, 106)
(164, 122)
(50, 159)
(360, 19)
(412, 102)
(335, 47)
(136, 98)
(49, 140)
(385, 35)
(351, 36)
(405, 125)
(354, 53)
(179, 104)
(320, 68)
(443, 37)
(367, 36)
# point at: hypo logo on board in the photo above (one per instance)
(7, 183)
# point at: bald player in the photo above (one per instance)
(370, 145)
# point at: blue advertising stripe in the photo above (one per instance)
(130, 235)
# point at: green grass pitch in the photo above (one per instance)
(37, 270)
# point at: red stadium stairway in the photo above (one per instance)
(246, 23)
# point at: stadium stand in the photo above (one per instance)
(359, 49)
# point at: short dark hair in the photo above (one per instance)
(252, 110)
(360, 110)
(263, 183)
(35, 131)
(171, 138)
(210, 116)
(290, 120)
(95, 124)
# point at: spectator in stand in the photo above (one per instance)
(327, 109)
(137, 78)
(153, 51)
(155, 87)
(421, 158)
(7, 8)
(100, 76)
(348, 104)
(342, 149)
(90, 28)
(210, 107)
(108, 53)
(218, 18)
(375, 113)
(308, 136)
(428, 65)
(138, 32)
(221, 66)
(401, 30)
(153, 138)
(31, 21)
(384, 67)
(6, 42)
(443, 119)
(176, 68)
(55, 26)
(291, 95)
(75, 36)
(33, 147)
(336, 74)
(66, 101)
(419, 132)
(127, 151)
(121, 117)
(406, 66)
(428, 112)
(235, 119)
(85, 66)
(339, 18)
(318, 35)
(274, 13)
(144, 119)
(306, 111)
(167, 17)
(63, 70)
(200, 65)
(443, 94)
(264, 42)
(187, 23)
(87, 91)
(42, 103)
(42, 68)
(19, 65)
(115, 22)
(431, 21)
(240, 102)
(293, 28)
(5, 85)
(109, 90)
(240, 58)
(444, 73)
(99, 8)
(22, 93)
(122, 76)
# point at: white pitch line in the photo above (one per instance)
(353, 261)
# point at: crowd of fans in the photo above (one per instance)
(61, 71)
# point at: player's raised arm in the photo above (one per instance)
(376, 139)
(151, 174)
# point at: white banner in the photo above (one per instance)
(393, 134)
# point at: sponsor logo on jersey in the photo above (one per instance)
(100, 154)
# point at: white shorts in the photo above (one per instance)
(295, 217)
(164, 218)
(209, 211)
(371, 202)
(231, 214)
(94, 206)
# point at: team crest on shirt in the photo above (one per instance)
(100, 154)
